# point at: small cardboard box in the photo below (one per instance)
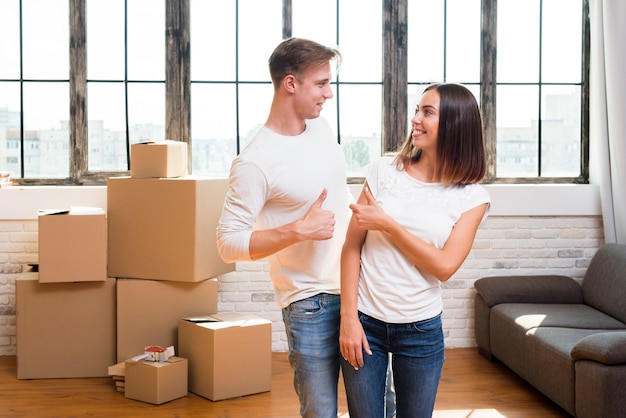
(148, 311)
(156, 382)
(72, 245)
(164, 229)
(230, 354)
(64, 330)
(158, 159)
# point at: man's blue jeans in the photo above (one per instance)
(312, 327)
(418, 356)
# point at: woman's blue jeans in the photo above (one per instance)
(418, 356)
(312, 327)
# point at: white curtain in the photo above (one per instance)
(607, 141)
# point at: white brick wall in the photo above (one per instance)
(505, 245)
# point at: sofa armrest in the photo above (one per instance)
(529, 289)
(606, 347)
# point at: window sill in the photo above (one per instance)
(23, 202)
(539, 199)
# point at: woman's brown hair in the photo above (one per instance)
(460, 145)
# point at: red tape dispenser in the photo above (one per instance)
(155, 353)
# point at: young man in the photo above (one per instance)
(288, 202)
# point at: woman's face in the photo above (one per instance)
(425, 123)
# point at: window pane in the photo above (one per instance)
(105, 39)
(255, 45)
(45, 39)
(360, 41)
(9, 105)
(463, 40)
(146, 40)
(10, 39)
(46, 106)
(146, 112)
(10, 144)
(316, 20)
(518, 41)
(562, 41)
(425, 40)
(106, 127)
(213, 128)
(46, 130)
(517, 116)
(360, 108)
(254, 106)
(212, 34)
(560, 131)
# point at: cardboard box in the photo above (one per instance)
(148, 311)
(159, 159)
(164, 229)
(64, 330)
(72, 246)
(117, 369)
(156, 382)
(230, 354)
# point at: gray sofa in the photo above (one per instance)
(565, 338)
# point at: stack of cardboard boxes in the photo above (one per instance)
(66, 312)
(157, 282)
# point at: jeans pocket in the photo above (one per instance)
(306, 307)
(428, 326)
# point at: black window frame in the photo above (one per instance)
(394, 87)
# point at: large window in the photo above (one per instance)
(34, 89)
(539, 88)
(125, 87)
(81, 80)
(231, 91)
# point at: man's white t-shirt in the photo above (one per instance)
(273, 182)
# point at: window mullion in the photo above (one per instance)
(287, 19)
(489, 83)
(177, 77)
(78, 89)
(584, 160)
(395, 77)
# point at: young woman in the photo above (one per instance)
(411, 229)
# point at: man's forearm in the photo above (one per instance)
(264, 243)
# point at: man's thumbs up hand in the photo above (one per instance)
(317, 223)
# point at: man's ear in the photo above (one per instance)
(289, 83)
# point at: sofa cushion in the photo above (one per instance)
(533, 315)
(529, 289)
(605, 347)
(604, 285)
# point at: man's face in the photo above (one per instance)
(312, 91)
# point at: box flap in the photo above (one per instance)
(73, 210)
(44, 212)
(227, 320)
